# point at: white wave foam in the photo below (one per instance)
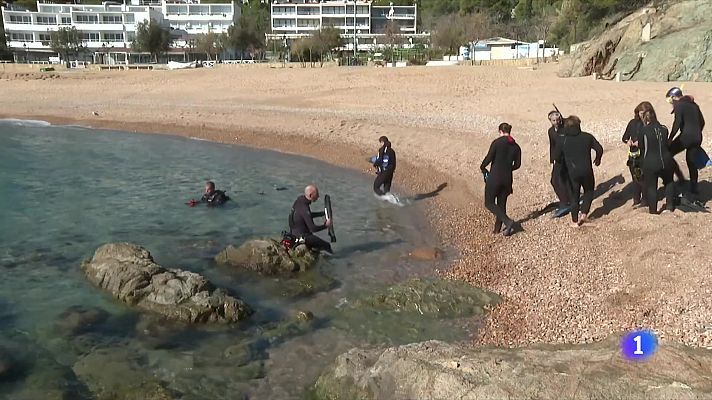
(24, 122)
(393, 199)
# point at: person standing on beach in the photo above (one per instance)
(657, 162)
(559, 176)
(576, 150)
(505, 155)
(385, 165)
(632, 137)
(690, 122)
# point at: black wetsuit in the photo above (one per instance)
(576, 149)
(301, 225)
(657, 164)
(559, 176)
(690, 122)
(216, 198)
(633, 132)
(505, 155)
(386, 165)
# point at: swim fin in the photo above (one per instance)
(560, 212)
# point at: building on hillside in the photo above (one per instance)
(294, 19)
(498, 48)
(107, 30)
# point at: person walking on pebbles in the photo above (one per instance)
(505, 155)
(576, 148)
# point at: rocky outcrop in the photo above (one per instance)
(436, 370)
(267, 257)
(128, 272)
(672, 42)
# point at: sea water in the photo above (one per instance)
(64, 191)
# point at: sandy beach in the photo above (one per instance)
(622, 270)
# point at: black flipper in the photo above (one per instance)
(327, 211)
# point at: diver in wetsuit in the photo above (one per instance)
(559, 176)
(385, 165)
(689, 121)
(213, 197)
(301, 221)
(632, 137)
(576, 149)
(657, 162)
(505, 155)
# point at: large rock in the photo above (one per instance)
(436, 370)
(679, 49)
(267, 257)
(128, 272)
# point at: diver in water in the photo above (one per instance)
(633, 138)
(211, 196)
(301, 221)
(657, 162)
(505, 155)
(559, 176)
(689, 121)
(385, 165)
(576, 149)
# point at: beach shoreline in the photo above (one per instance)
(624, 269)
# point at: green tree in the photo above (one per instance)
(211, 43)
(65, 41)
(152, 38)
(325, 41)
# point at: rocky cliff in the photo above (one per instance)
(669, 41)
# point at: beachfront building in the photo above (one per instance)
(356, 19)
(499, 48)
(108, 29)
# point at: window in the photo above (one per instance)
(114, 37)
(111, 19)
(20, 19)
(333, 10)
(283, 10)
(129, 18)
(283, 23)
(21, 37)
(44, 37)
(90, 37)
(308, 10)
(46, 20)
(87, 19)
(66, 20)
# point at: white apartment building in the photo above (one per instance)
(108, 29)
(292, 19)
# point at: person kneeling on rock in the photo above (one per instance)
(301, 221)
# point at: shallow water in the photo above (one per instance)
(64, 191)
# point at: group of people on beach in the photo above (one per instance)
(651, 151)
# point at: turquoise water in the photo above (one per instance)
(64, 191)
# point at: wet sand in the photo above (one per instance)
(624, 269)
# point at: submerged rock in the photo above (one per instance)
(426, 253)
(268, 257)
(128, 272)
(79, 319)
(306, 284)
(436, 370)
(433, 298)
(115, 373)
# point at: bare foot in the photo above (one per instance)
(582, 218)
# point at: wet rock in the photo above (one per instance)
(128, 272)
(426, 254)
(307, 284)
(268, 257)
(436, 370)
(79, 319)
(437, 298)
(115, 373)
